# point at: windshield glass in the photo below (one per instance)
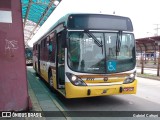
(97, 52)
(122, 59)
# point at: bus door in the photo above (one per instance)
(60, 62)
(39, 58)
(52, 53)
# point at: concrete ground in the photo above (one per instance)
(41, 98)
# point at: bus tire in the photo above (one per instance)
(36, 70)
(50, 79)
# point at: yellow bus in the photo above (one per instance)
(86, 55)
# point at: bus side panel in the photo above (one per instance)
(35, 57)
(13, 79)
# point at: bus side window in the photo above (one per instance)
(52, 46)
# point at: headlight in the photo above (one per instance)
(131, 75)
(130, 78)
(75, 80)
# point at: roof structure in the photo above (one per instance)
(34, 14)
(148, 44)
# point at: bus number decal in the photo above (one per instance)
(90, 79)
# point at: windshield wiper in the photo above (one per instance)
(118, 42)
(94, 38)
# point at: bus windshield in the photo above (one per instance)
(101, 52)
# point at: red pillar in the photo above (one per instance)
(13, 80)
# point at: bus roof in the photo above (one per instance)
(64, 20)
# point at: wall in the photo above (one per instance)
(13, 81)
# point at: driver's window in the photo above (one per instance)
(126, 45)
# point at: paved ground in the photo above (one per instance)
(149, 71)
(148, 64)
(45, 100)
(41, 98)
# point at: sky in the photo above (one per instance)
(144, 14)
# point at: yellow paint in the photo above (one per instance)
(81, 91)
(44, 74)
(134, 84)
(101, 80)
(54, 79)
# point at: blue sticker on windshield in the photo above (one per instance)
(111, 66)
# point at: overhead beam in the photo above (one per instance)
(29, 23)
(27, 12)
(27, 30)
(44, 14)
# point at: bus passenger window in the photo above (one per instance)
(51, 53)
(50, 48)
